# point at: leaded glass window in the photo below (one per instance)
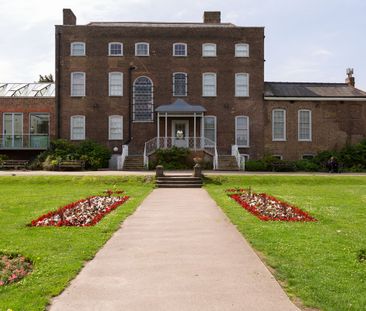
(180, 84)
(142, 99)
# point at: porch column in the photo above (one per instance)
(158, 130)
(166, 130)
(194, 131)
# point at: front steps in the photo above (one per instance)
(134, 163)
(179, 181)
(227, 163)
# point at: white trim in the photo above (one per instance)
(109, 126)
(148, 49)
(109, 48)
(72, 82)
(208, 44)
(204, 93)
(316, 98)
(241, 44)
(71, 48)
(185, 49)
(247, 84)
(109, 82)
(71, 127)
(248, 131)
(284, 124)
(215, 128)
(310, 125)
(186, 84)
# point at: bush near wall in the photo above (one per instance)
(93, 154)
(351, 158)
(174, 158)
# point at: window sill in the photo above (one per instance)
(77, 96)
(180, 55)
(115, 96)
(279, 140)
(119, 55)
(78, 55)
(242, 96)
(180, 95)
(305, 140)
(241, 146)
(142, 121)
(209, 56)
(208, 96)
(142, 55)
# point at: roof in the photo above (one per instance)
(27, 90)
(156, 24)
(312, 90)
(180, 106)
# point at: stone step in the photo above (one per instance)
(179, 185)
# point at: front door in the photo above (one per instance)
(180, 130)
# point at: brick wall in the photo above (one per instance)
(160, 66)
(334, 124)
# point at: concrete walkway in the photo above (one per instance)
(177, 252)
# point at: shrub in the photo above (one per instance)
(95, 155)
(174, 158)
(256, 165)
(3, 157)
(307, 166)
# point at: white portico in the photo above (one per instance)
(177, 119)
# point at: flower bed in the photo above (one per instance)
(13, 268)
(82, 213)
(266, 207)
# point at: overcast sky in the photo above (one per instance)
(306, 40)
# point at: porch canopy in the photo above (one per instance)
(180, 108)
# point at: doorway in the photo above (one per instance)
(180, 133)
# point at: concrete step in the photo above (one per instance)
(179, 181)
(134, 163)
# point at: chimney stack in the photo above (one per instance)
(69, 17)
(350, 80)
(212, 17)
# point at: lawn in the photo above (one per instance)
(315, 261)
(57, 253)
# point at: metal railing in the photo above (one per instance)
(123, 157)
(240, 159)
(192, 143)
(25, 141)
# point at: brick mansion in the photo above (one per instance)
(140, 86)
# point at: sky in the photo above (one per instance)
(306, 40)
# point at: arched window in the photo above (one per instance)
(143, 99)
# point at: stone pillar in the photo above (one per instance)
(159, 171)
(197, 171)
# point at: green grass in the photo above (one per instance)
(57, 253)
(318, 262)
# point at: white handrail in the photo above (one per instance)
(123, 156)
(240, 159)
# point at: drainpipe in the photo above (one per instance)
(130, 110)
(57, 81)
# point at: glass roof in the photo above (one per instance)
(27, 90)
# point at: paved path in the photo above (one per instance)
(177, 252)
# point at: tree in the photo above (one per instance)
(46, 79)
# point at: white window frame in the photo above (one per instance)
(72, 48)
(237, 86)
(186, 84)
(247, 129)
(72, 137)
(205, 93)
(185, 49)
(110, 48)
(238, 53)
(148, 49)
(110, 118)
(284, 124)
(72, 93)
(215, 128)
(310, 125)
(277, 156)
(204, 52)
(110, 83)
